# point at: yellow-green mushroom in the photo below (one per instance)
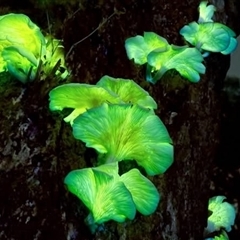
(126, 132)
(79, 97)
(128, 91)
(106, 197)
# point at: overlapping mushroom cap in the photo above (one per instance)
(19, 30)
(161, 57)
(187, 61)
(139, 47)
(109, 196)
(128, 91)
(25, 52)
(106, 197)
(210, 36)
(79, 97)
(126, 132)
(21, 46)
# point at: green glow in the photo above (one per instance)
(24, 49)
(106, 197)
(213, 37)
(187, 61)
(126, 132)
(139, 47)
(206, 12)
(161, 57)
(109, 196)
(20, 63)
(19, 30)
(223, 214)
(145, 195)
(208, 35)
(54, 56)
(128, 91)
(21, 46)
(80, 97)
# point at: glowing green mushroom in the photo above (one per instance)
(20, 63)
(126, 132)
(187, 61)
(145, 195)
(139, 47)
(160, 57)
(80, 97)
(222, 214)
(210, 36)
(206, 12)
(54, 58)
(128, 91)
(207, 35)
(106, 197)
(19, 30)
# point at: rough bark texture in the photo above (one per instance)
(37, 148)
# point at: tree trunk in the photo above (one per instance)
(38, 150)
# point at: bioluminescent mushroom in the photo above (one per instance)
(18, 30)
(139, 47)
(206, 12)
(161, 57)
(20, 63)
(210, 36)
(80, 97)
(106, 197)
(145, 195)
(126, 132)
(128, 91)
(54, 58)
(23, 47)
(187, 61)
(222, 214)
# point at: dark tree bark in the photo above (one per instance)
(38, 150)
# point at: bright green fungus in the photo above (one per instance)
(21, 46)
(145, 195)
(105, 196)
(128, 91)
(25, 52)
(139, 47)
(161, 57)
(206, 12)
(79, 97)
(126, 132)
(207, 35)
(109, 196)
(187, 61)
(210, 36)
(222, 214)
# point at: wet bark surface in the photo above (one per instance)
(37, 148)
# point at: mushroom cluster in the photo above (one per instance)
(115, 117)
